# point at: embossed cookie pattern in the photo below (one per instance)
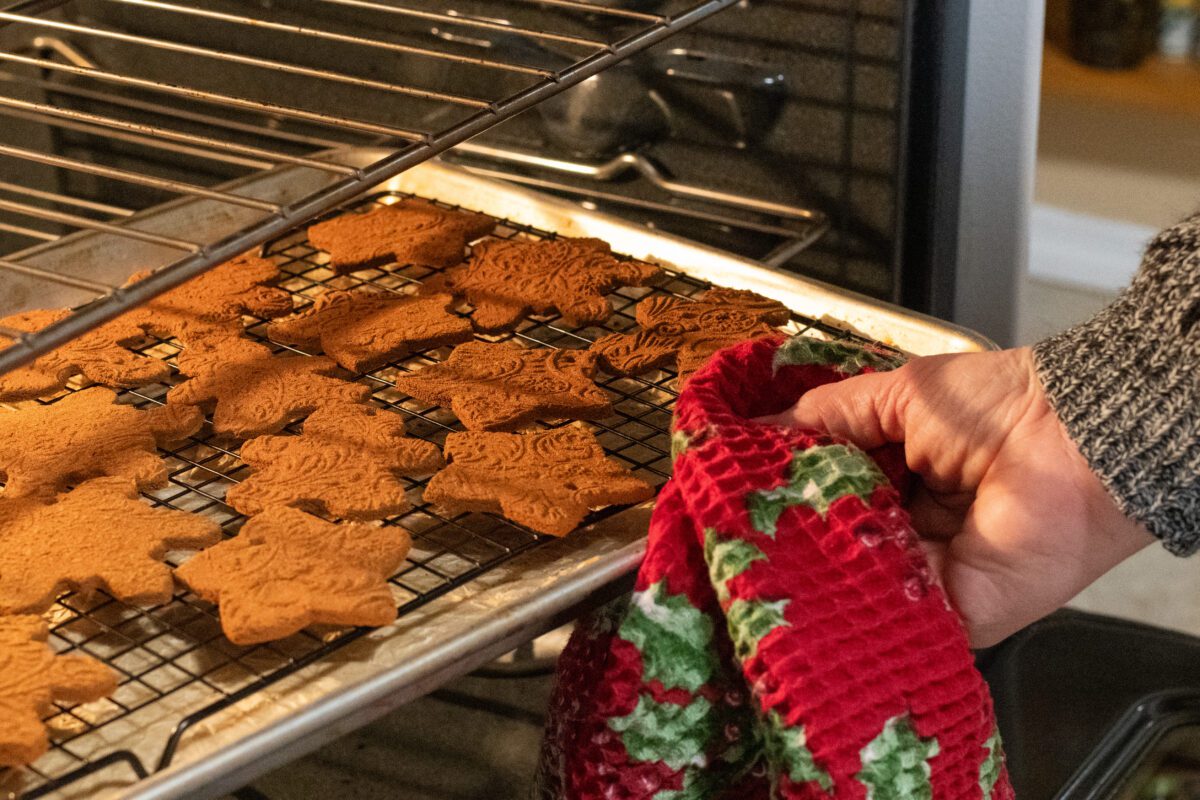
(253, 392)
(507, 279)
(286, 570)
(211, 305)
(364, 330)
(547, 481)
(684, 333)
(346, 463)
(407, 232)
(32, 678)
(45, 448)
(99, 535)
(502, 386)
(99, 356)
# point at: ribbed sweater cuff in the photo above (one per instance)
(1126, 385)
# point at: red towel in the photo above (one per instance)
(785, 637)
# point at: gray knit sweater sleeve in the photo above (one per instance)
(1126, 384)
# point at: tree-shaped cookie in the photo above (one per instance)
(546, 481)
(253, 392)
(507, 279)
(45, 448)
(502, 386)
(99, 535)
(347, 463)
(287, 570)
(32, 679)
(687, 332)
(407, 232)
(364, 330)
(211, 304)
(98, 356)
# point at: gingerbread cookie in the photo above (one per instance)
(407, 232)
(366, 329)
(211, 304)
(347, 464)
(687, 332)
(97, 536)
(253, 392)
(287, 570)
(502, 386)
(546, 481)
(98, 356)
(507, 279)
(45, 448)
(32, 679)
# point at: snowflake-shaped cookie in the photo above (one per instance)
(211, 304)
(686, 332)
(254, 392)
(286, 570)
(347, 463)
(364, 330)
(99, 356)
(97, 536)
(502, 386)
(32, 678)
(547, 481)
(507, 279)
(45, 448)
(407, 232)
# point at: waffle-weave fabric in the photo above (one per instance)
(785, 637)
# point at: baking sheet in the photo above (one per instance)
(474, 623)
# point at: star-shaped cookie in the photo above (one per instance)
(507, 279)
(254, 392)
(97, 536)
(502, 386)
(211, 304)
(687, 332)
(364, 330)
(32, 679)
(546, 481)
(407, 232)
(346, 463)
(45, 448)
(98, 356)
(287, 570)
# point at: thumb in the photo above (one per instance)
(864, 409)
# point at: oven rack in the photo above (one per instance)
(143, 644)
(583, 38)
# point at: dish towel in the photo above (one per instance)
(785, 638)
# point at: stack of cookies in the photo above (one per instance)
(325, 464)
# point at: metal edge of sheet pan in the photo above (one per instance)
(453, 634)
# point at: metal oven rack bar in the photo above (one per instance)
(196, 717)
(52, 26)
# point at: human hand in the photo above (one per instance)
(1012, 519)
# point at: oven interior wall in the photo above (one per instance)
(796, 102)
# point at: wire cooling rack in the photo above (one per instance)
(173, 660)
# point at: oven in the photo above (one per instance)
(864, 161)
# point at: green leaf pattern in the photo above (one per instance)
(895, 765)
(680, 442)
(993, 762)
(849, 359)
(751, 620)
(786, 748)
(818, 477)
(674, 637)
(668, 732)
(727, 558)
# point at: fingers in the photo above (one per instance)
(865, 409)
